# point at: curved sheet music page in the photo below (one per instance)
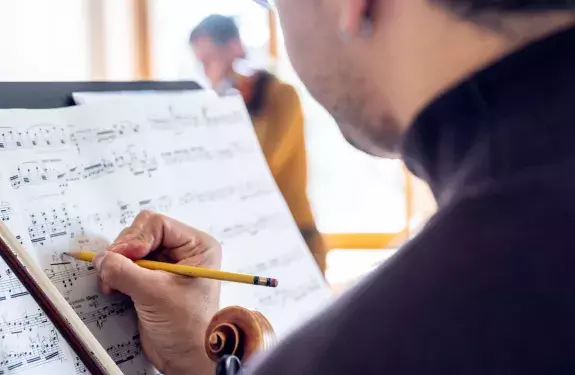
(73, 178)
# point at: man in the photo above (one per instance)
(276, 113)
(478, 97)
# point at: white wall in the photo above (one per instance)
(43, 40)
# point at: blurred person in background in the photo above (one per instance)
(276, 113)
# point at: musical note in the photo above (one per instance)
(51, 224)
(125, 351)
(5, 211)
(26, 323)
(91, 136)
(121, 353)
(176, 120)
(162, 204)
(39, 349)
(283, 297)
(243, 191)
(30, 173)
(65, 274)
(91, 312)
(201, 153)
(10, 286)
(281, 261)
(36, 136)
(249, 228)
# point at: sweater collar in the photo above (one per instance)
(515, 114)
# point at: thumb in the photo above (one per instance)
(120, 273)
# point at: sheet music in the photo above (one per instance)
(73, 178)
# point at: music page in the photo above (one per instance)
(71, 179)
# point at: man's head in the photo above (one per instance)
(216, 44)
(375, 64)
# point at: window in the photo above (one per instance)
(44, 40)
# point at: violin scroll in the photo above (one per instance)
(239, 332)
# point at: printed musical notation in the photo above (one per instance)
(121, 353)
(38, 350)
(65, 274)
(92, 136)
(249, 228)
(200, 153)
(91, 311)
(52, 224)
(283, 297)
(10, 286)
(288, 259)
(209, 117)
(5, 211)
(26, 323)
(162, 204)
(136, 161)
(37, 136)
(242, 191)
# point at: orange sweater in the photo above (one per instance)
(279, 125)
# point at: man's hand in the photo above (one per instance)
(173, 311)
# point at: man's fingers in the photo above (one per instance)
(120, 273)
(150, 231)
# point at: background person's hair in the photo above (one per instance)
(220, 29)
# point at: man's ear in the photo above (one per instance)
(353, 16)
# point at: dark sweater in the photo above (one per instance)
(488, 287)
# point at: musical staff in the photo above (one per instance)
(93, 313)
(26, 323)
(10, 286)
(5, 211)
(53, 224)
(242, 191)
(200, 153)
(30, 173)
(162, 204)
(37, 136)
(249, 228)
(65, 274)
(176, 120)
(281, 261)
(39, 350)
(121, 353)
(92, 136)
(125, 351)
(282, 297)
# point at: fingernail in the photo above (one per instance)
(98, 259)
(116, 248)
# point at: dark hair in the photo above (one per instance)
(473, 6)
(220, 29)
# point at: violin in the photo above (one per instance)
(234, 335)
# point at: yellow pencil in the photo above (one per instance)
(183, 270)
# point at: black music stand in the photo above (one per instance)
(34, 95)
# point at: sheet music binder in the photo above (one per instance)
(33, 95)
(38, 95)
